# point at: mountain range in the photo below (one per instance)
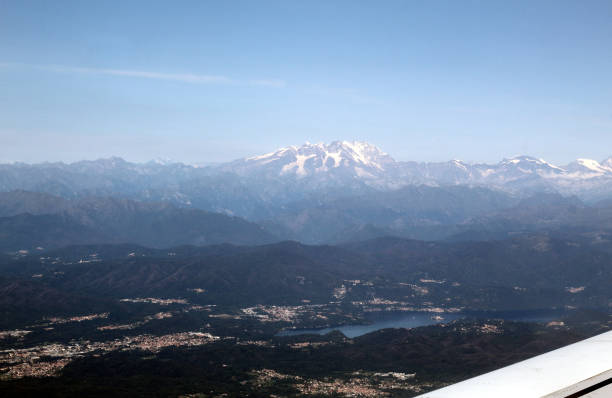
(289, 173)
(31, 220)
(346, 162)
(315, 193)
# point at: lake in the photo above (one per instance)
(403, 319)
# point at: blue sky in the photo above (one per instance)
(208, 81)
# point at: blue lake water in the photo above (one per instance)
(384, 320)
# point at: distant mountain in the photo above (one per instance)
(350, 164)
(338, 161)
(587, 168)
(260, 187)
(35, 203)
(29, 220)
(419, 212)
(548, 213)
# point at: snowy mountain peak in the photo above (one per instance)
(333, 155)
(355, 164)
(162, 161)
(588, 168)
(519, 158)
(526, 160)
(591, 165)
(607, 163)
(529, 164)
(360, 152)
(361, 158)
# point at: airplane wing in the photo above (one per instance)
(582, 369)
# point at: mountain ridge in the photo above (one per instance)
(360, 152)
(256, 187)
(30, 219)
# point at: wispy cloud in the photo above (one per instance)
(180, 77)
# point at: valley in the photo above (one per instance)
(249, 307)
(313, 271)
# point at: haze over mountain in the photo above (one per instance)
(30, 220)
(314, 193)
(345, 161)
(310, 167)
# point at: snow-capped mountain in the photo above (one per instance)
(341, 168)
(519, 165)
(349, 162)
(348, 159)
(457, 172)
(588, 168)
(518, 174)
